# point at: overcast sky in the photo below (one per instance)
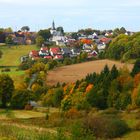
(71, 14)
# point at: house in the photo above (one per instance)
(105, 40)
(88, 50)
(48, 57)
(28, 42)
(87, 46)
(23, 58)
(44, 52)
(101, 47)
(33, 54)
(44, 49)
(66, 52)
(54, 51)
(75, 52)
(60, 43)
(58, 57)
(92, 54)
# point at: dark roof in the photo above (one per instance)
(66, 50)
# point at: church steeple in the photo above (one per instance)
(53, 25)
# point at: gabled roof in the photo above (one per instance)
(58, 57)
(48, 57)
(55, 50)
(66, 50)
(44, 49)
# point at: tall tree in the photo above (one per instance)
(39, 41)
(6, 89)
(25, 28)
(60, 29)
(45, 34)
(9, 40)
(136, 68)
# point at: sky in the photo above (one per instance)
(71, 14)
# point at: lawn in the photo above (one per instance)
(11, 55)
(11, 59)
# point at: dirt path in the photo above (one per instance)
(78, 71)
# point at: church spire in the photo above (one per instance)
(53, 25)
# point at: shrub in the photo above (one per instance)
(72, 113)
(6, 70)
(111, 111)
(20, 98)
(137, 126)
(106, 127)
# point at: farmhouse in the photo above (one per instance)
(55, 51)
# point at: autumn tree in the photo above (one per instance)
(39, 41)
(21, 98)
(9, 40)
(6, 89)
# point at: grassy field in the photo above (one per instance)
(11, 55)
(11, 59)
(78, 71)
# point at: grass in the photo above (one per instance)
(11, 59)
(20, 114)
(11, 55)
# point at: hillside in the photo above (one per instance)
(11, 56)
(78, 71)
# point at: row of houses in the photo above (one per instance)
(19, 38)
(58, 53)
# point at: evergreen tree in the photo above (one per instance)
(136, 68)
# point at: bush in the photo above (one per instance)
(67, 61)
(21, 98)
(111, 111)
(6, 70)
(106, 127)
(72, 113)
(137, 126)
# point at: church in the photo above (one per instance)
(57, 36)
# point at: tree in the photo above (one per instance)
(21, 98)
(45, 34)
(74, 35)
(9, 40)
(136, 68)
(8, 30)
(39, 41)
(122, 30)
(25, 28)
(114, 72)
(1, 53)
(6, 89)
(60, 29)
(57, 97)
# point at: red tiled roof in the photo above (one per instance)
(58, 57)
(48, 57)
(44, 49)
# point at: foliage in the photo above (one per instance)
(9, 40)
(124, 47)
(105, 126)
(21, 98)
(25, 28)
(45, 34)
(53, 97)
(6, 89)
(39, 41)
(136, 68)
